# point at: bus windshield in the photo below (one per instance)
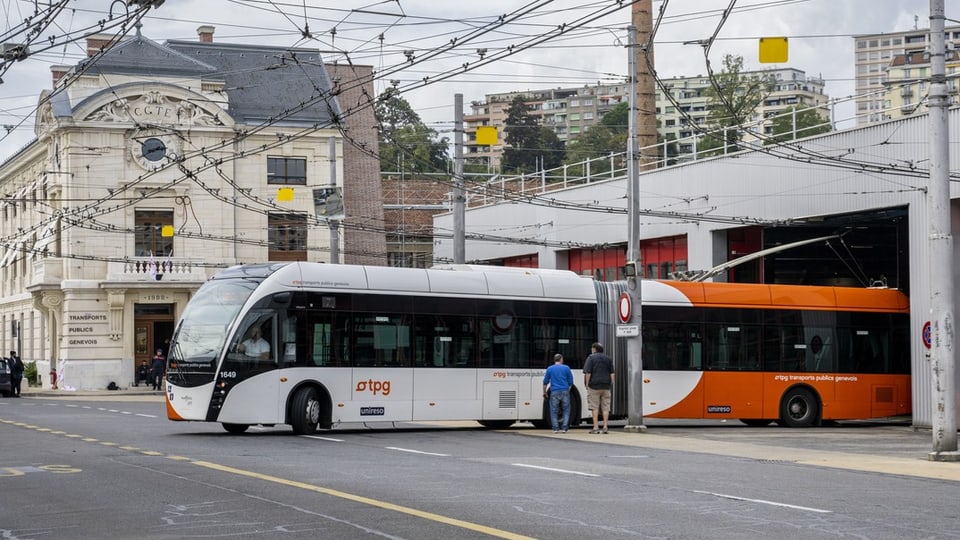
(202, 331)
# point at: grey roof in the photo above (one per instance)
(139, 55)
(264, 83)
(60, 103)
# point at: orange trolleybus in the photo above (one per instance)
(316, 345)
(797, 355)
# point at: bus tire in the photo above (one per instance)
(235, 429)
(305, 411)
(575, 412)
(496, 424)
(575, 409)
(799, 408)
(756, 422)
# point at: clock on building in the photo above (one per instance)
(152, 151)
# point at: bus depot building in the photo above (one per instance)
(153, 167)
(860, 195)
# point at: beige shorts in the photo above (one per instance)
(598, 400)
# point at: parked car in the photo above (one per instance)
(6, 382)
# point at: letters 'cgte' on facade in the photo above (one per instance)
(193, 137)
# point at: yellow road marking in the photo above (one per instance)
(365, 500)
(491, 531)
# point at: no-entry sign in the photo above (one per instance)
(624, 307)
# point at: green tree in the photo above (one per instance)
(406, 144)
(617, 118)
(732, 100)
(552, 149)
(609, 136)
(808, 122)
(529, 146)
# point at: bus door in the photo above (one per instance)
(445, 367)
(382, 374)
(672, 369)
(249, 372)
(733, 382)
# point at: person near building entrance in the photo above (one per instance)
(157, 365)
(16, 373)
(598, 378)
(255, 346)
(557, 380)
(143, 373)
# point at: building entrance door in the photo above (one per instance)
(153, 328)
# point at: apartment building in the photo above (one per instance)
(154, 166)
(908, 82)
(571, 111)
(568, 111)
(873, 55)
(789, 88)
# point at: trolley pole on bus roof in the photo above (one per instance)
(633, 269)
(942, 323)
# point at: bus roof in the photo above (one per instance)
(708, 294)
(468, 280)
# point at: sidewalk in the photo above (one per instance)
(122, 394)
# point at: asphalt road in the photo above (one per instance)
(82, 467)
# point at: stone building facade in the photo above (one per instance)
(154, 166)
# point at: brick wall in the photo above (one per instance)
(364, 236)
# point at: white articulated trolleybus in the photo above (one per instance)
(316, 345)
(365, 344)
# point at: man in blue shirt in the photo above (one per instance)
(558, 379)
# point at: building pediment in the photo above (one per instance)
(154, 107)
(159, 105)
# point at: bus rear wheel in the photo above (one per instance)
(305, 412)
(799, 408)
(235, 429)
(575, 412)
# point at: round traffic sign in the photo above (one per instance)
(624, 307)
(927, 334)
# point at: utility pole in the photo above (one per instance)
(633, 269)
(459, 203)
(942, 360)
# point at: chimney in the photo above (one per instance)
(206, 33)
(96, 42)
(58, 72)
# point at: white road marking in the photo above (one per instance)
(555, 470)
(771, 503)
(319, 438)
(416, 451)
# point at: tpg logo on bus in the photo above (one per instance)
(377, 387)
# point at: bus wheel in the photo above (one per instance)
(756, 422)
(305, 412)
(496, 424)
(236, 429)
(799, 408)
(575, 410)
(544, 421)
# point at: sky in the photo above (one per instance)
(431, 50)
